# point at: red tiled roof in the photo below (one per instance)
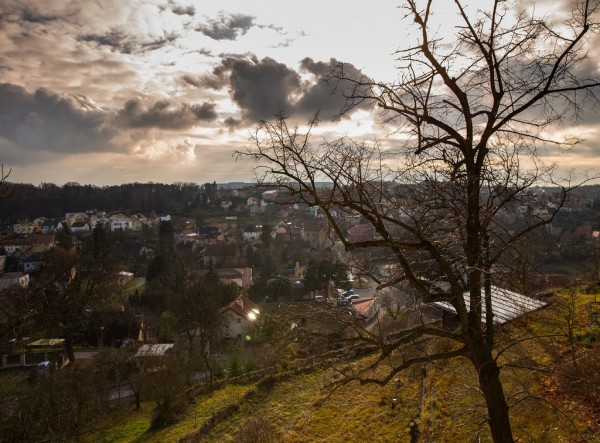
(242, 306)
(362, 305)
(313, 225)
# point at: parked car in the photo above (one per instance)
(43, 367)
(342, 302)
(319, 298)
(350, 295)
(40, 370)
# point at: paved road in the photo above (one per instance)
(85, 355)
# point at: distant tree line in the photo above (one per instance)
(50, 200)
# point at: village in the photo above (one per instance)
(264, 249)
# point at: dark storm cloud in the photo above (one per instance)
(184, 10)
(45, 121)
(116, 40)
(152, 45)
(32, 16)
(164, 115)
(232, 123)
(323, 95)
(121, 42)
(261, 88)
(227, 26)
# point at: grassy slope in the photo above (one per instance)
(450, 409)
(133, 426)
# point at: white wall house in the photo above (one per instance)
(238, 318)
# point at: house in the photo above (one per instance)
(52, 226)
(207, 235)
(74, 217)
(251, 233)
(162, 218)
(80, 226)
(361, 232)
(24, 228)
(31, 262)
(313, 232)
(238, 318)
(98, 222)
(120, 222)
(11, 279)
(124, 277)
(185, 236)
(29, 244)
(241, 277)
(270, 196)
(252, 201)
(14, 245)
(219, 254)
(138, 221)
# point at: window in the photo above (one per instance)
(239, 321)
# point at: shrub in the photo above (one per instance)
(258, 430)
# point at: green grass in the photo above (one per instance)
(444, 400)
(130, 426)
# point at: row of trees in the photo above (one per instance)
(50, 200)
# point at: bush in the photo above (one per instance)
(258, 430)
(588, 336)
(235, 366)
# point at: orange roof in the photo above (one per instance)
(362, 305)
(242, 306)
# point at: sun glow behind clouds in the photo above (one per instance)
(114, 51)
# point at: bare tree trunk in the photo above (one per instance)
(488, 375)
(69, 349)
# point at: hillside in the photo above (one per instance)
(434, 402)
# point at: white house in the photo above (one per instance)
(11, 279)
(162, 218)
(238, 318)
(121, 222)
(51, 226)
(80, 226)
(251, 233)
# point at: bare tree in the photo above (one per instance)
(6, 191)
(71, 287)
(472, 115)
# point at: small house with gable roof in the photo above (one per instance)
(238, 318)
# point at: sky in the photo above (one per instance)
(118, 91)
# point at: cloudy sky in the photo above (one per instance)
(116, 91)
